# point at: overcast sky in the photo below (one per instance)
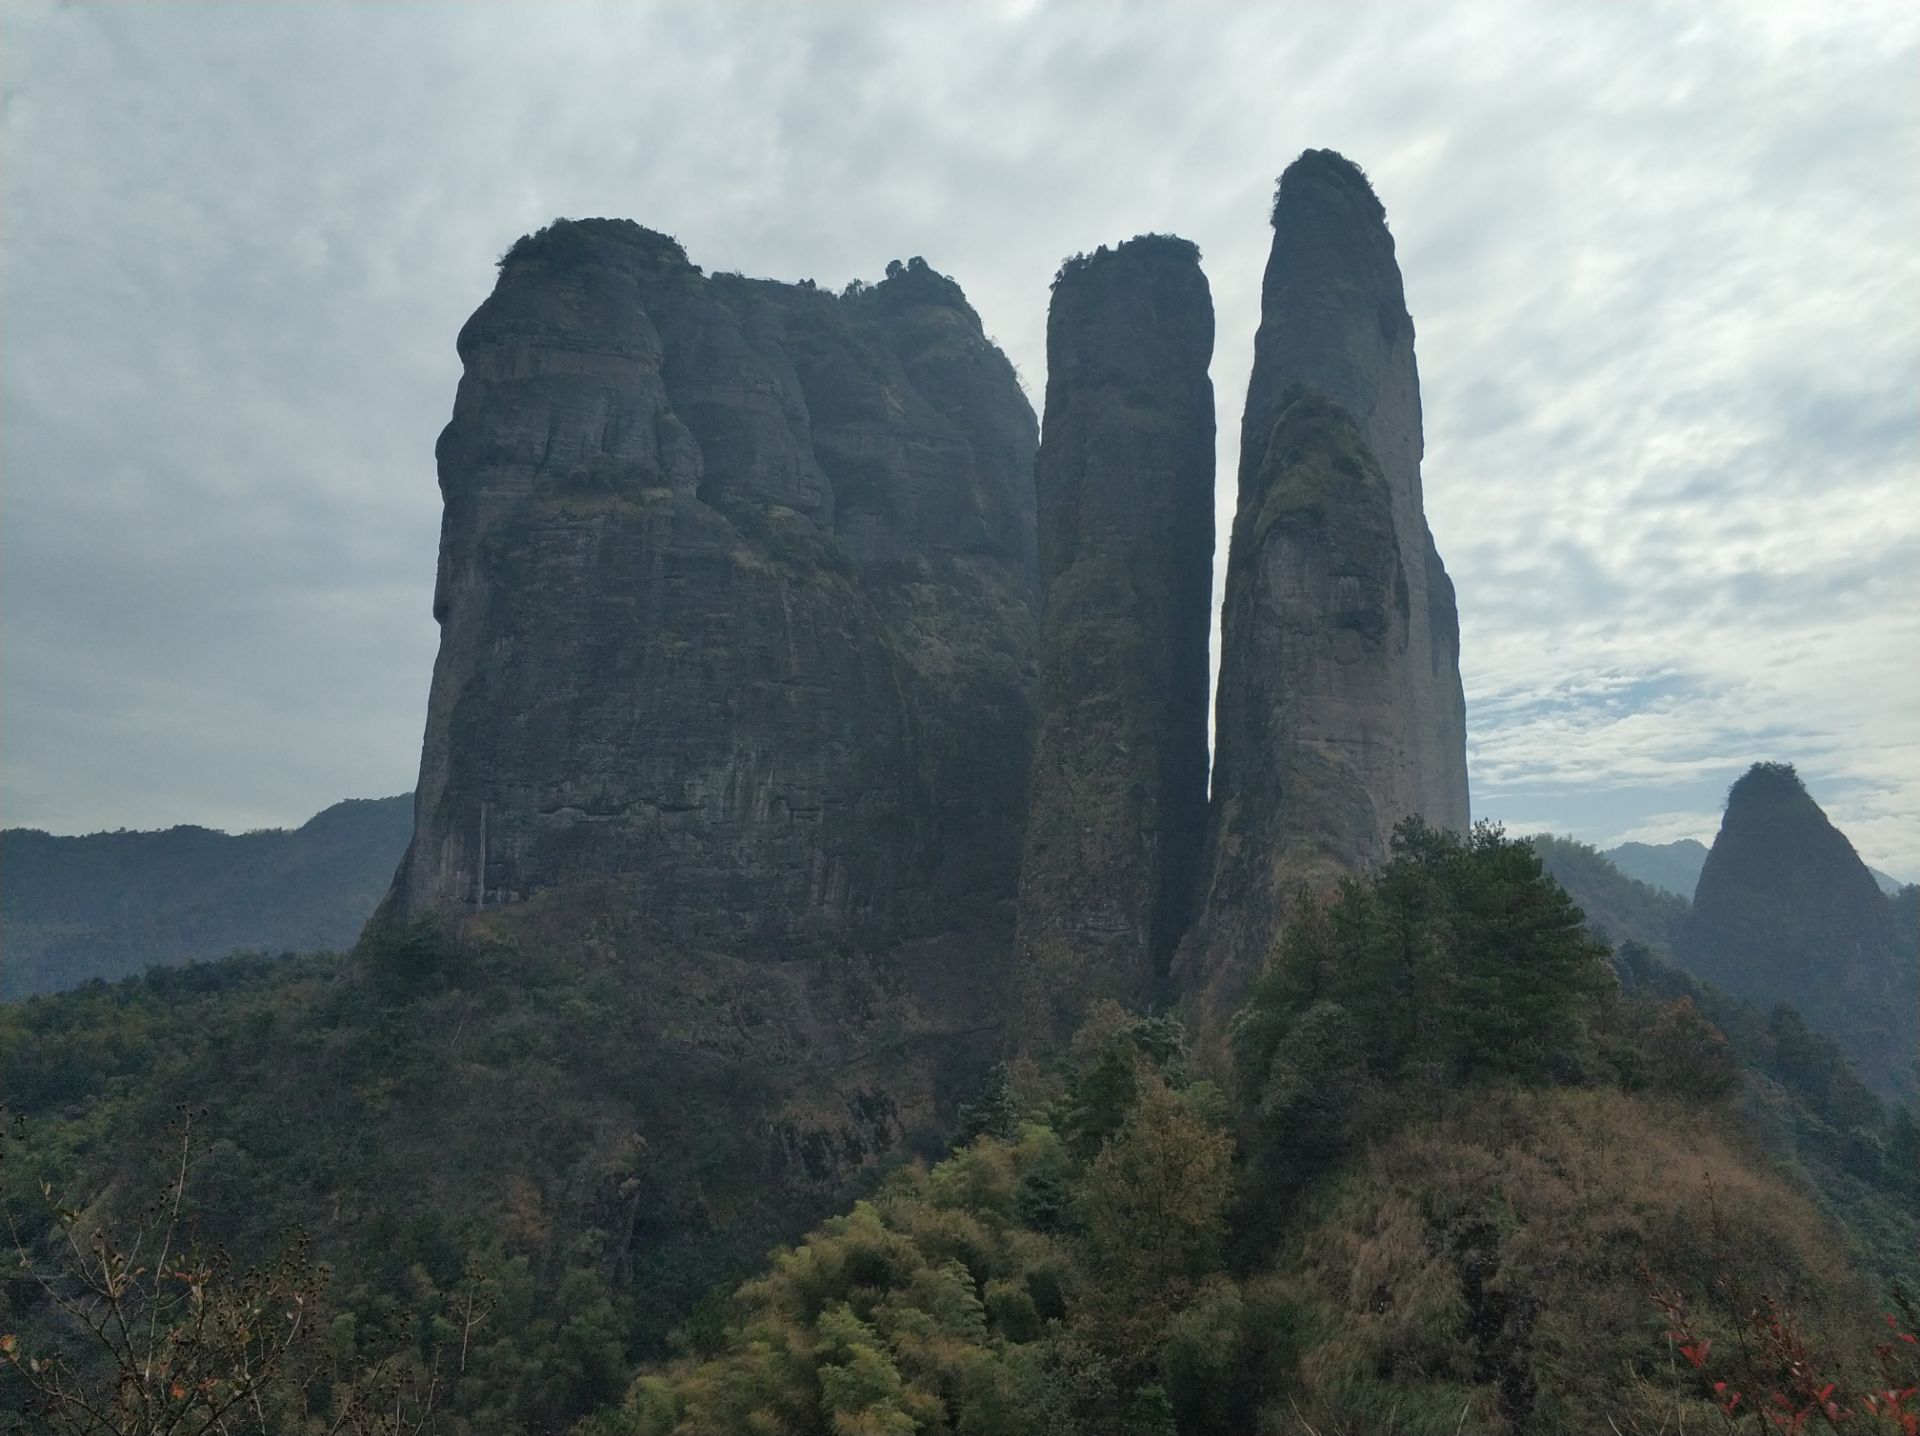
(1662, 260)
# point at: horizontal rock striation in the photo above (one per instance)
(736, 592)
(1340, 709)
(1124, 483)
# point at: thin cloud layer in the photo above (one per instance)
(1660, 259)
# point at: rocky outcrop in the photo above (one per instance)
(1124, 482)
(736, 593)
(1340, 709)
(1785, 911)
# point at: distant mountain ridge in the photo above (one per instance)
(109, 904)
(1676, 866)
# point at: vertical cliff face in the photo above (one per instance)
(1124, 482)
(1785, 911)
(736, 598)
(1340, 709)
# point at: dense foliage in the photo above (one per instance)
(1619, 907)
(451, 1123)
(1458, 1164)
(1459, 1156)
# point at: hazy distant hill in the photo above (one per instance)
(1621, 907)
(1676, 866)
(1672, 867)
(109, 904)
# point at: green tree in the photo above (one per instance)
(1152, 1208)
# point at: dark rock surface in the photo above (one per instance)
(1124, 481)
(1785, 911)
(1340, 709)
(736, 594)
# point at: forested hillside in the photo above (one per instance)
(109, 904)
(1620, 908)
(1453, 1136)
(1464, 1177)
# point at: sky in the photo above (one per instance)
(1662, 260)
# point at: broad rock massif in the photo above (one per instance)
(1340, 709)
(1125, 485)
(737, 599)
(1786, 911)
(736, 593)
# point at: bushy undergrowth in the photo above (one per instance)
(1458, 1164)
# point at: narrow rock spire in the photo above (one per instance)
(1340, 708)
(1124, 482)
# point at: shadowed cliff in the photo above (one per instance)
(1125, 491)
(736, 601)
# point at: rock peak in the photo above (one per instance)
(1785, 911)
(735, 590)
(1321, 177)
(1340, 709)
(570, 241)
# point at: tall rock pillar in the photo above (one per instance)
(1124, 483)
(1340, 709)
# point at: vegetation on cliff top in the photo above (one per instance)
(577, 241)
(1150, 244)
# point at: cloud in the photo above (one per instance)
(1659, 256)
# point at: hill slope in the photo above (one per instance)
(519, 1120)
(109, 904)
(1619, 906)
